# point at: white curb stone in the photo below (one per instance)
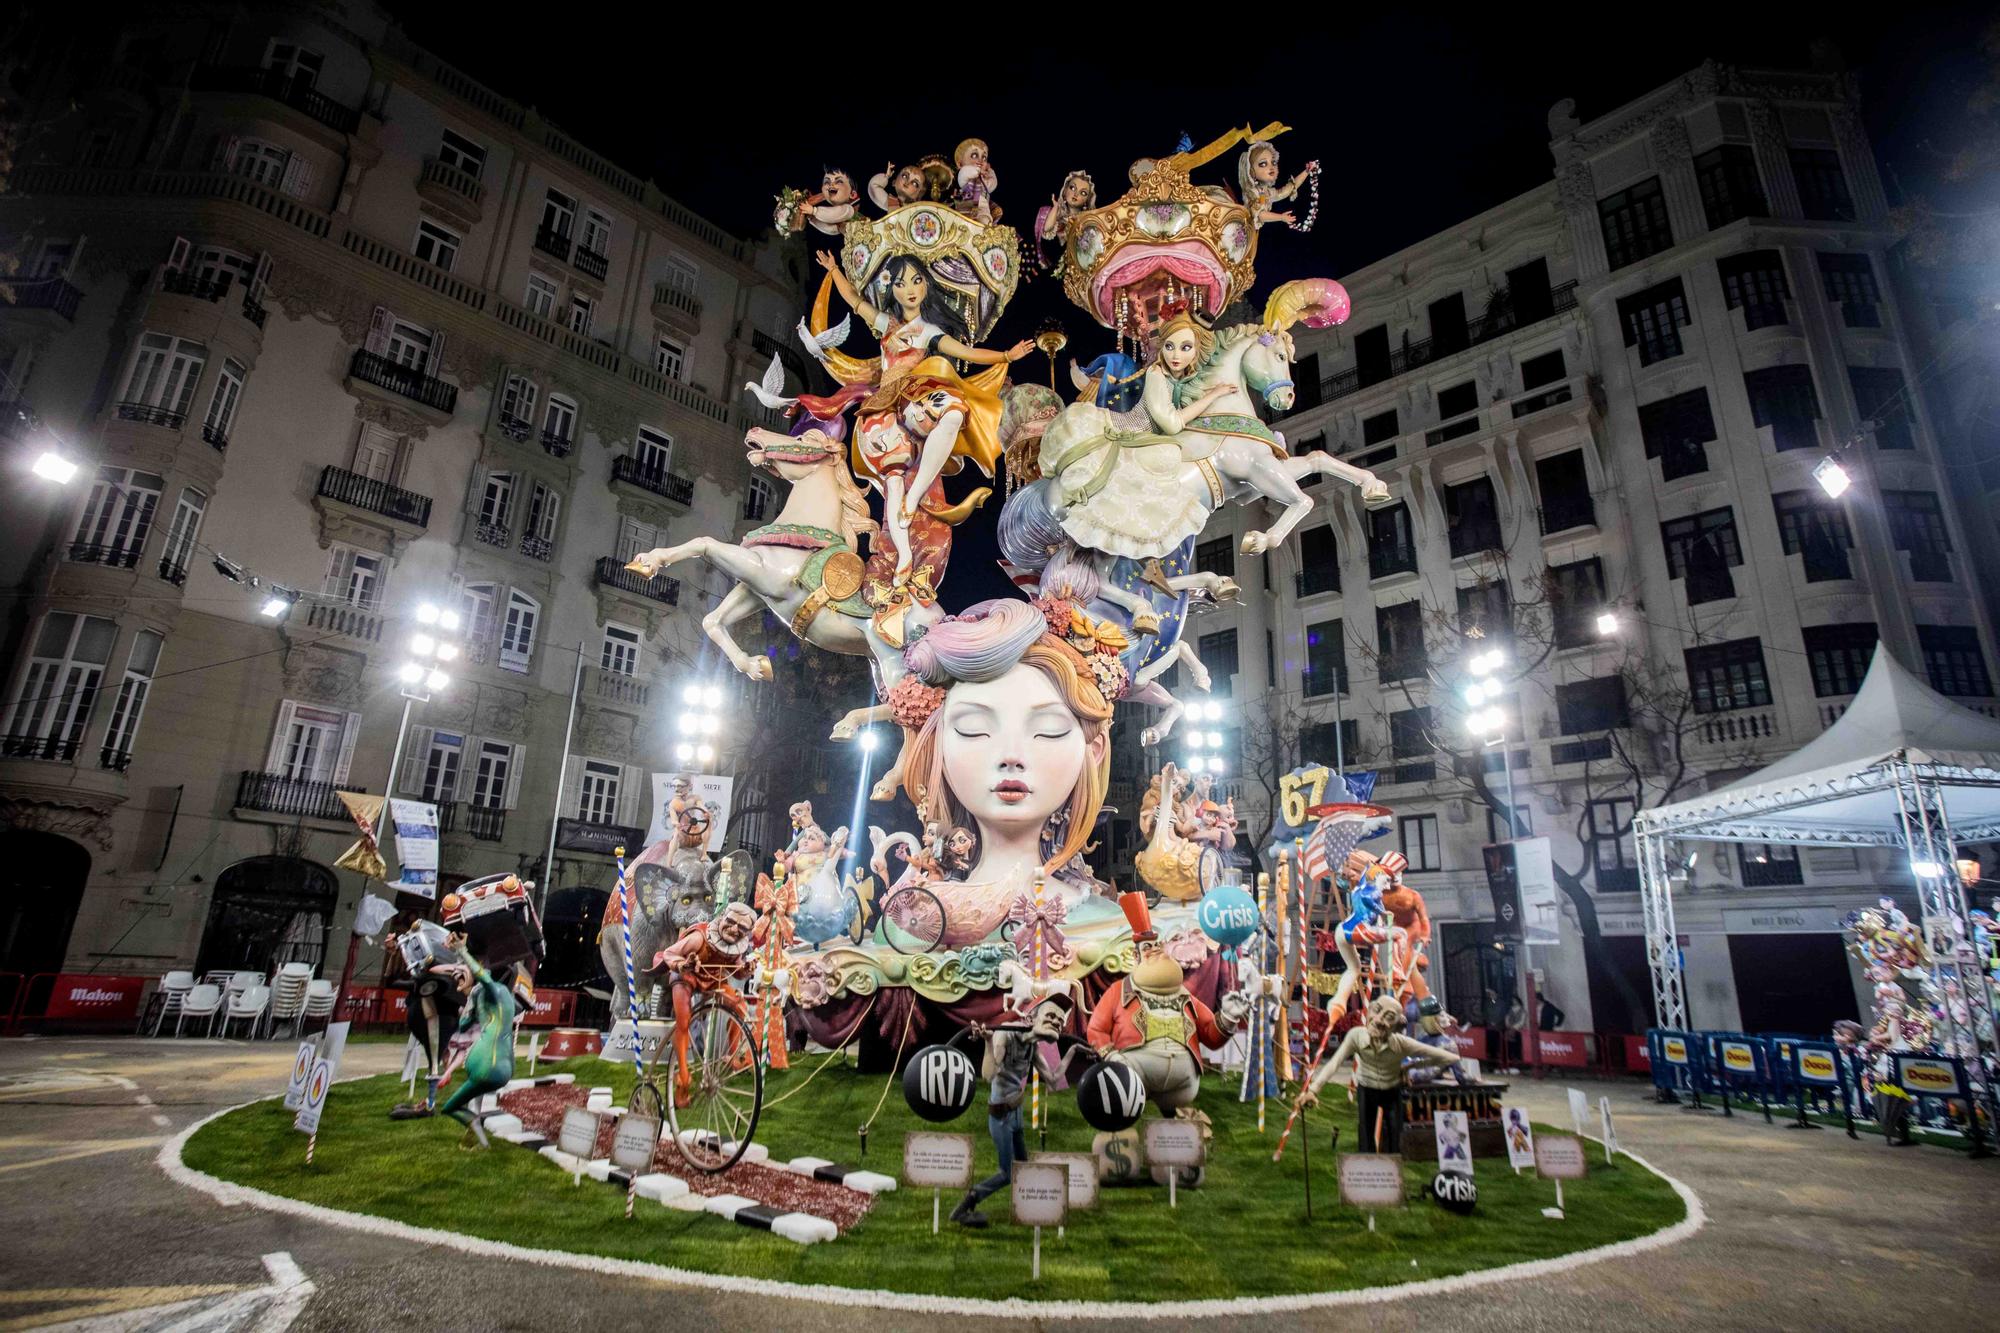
(660, 1187)
(727, 1205)
(805, 1166)
(869, 1182)
(803, 1228)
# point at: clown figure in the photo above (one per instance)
(1150, 1023)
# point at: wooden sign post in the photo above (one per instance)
(1371, 1180)
(1559, 1157)
(939, 1160)
(1041, 1199)
(578, 1137)
(1174, 1144)
(632, 1145)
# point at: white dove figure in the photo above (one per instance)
(818, 343)
(771, 392)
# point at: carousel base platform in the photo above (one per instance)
(1244, 1235)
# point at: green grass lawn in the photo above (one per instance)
(1244, 1233)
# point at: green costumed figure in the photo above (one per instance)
(490, 1063)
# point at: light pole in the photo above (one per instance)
(1197, 762)
(1488, 725)
(700, 723)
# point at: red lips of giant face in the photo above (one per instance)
(1013, 791)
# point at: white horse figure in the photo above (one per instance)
(1180, 480)
(824, 499)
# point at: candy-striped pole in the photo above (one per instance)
(1262, 1047)
(1283, 1017)
(1035, 1080)
(626, 907)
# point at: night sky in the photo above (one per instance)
(1418, 124)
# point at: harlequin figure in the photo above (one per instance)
(488, 1005)
(704, 960)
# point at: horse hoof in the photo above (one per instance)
(1255, 543)
(757, 668)
(1227, 590)
(1150, 737)
(1145, 622)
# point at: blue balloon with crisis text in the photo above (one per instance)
(1228, 915)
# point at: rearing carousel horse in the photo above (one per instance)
(806, 568)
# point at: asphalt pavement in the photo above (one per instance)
(1806, 1229)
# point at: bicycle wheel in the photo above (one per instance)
(913, 920)
(715, 1114)
(648, 1101)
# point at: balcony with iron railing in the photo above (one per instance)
(674, 303)
(174, 572)
(1324, 683)
(1474, 535)
(655, 481)
(113, 555)
(1411, 356)
(299, 798)
(215, 436)
(1391, 558)
(426, 391)
(590, 263)
(552, 242)
(54, 295)
(1315, 581)
(493, 534)
(195, 286)
(451, 188)
(1455, 429)
(149, 414)
(611, 573)
(375, 497)
(115, 760)
(537, 548)
(486, 823)
(517, 429)
(55, 748)
(557, 444)
(280, 86)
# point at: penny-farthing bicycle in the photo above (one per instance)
(724, 1086)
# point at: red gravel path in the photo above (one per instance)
(541, 1110)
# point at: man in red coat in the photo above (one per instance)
(1151, 1023)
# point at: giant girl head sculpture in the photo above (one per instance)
(1008, 725)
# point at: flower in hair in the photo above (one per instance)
(911, 702)
(1110, 674)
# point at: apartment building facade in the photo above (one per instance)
(1608, 396)
(338, 333)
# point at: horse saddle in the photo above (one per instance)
(831, 578)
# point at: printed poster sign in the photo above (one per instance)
(935, 1160)
(1610, 1134)
(709, 790)
(1371, 1180)
(1579, 1110)
(302, 1065)
(1041, 1193)
(1738, 1057)
(1520, 1139)
(1454, 1142)
(1535, 880)
(1675, 1049)
(416, 824)
(1926, 1077)
(1816, 1065)
(1559, 1157)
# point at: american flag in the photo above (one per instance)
(1336, 835)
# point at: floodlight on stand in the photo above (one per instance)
(423, 645)
(1832, 477)
(1195, 739)
(436, 680)
(428, 614)
(1475, 694)
(411, 673)
(684, 752)
(1928, 869)
(712, 696)
(52, 466)
(447, 652)
(1607, 624)
(1215, 740)
(691, 696)
(704, 752)
(689, 724)
(228, 568)
(1214, 710)
(277, 602)
(447, 621)
(710, 724)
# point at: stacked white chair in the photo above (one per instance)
(203, 1001)
(319, 1000)
(246, 1006)
(288, 995)
(173, 987)
(241, 981)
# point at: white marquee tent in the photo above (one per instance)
(1902, 767)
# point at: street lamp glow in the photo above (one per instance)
(1215, 764)
(710, 724)
(1214, 711)
(1486, 663)
(1607, 624)
(1485, 722)
(275, 606)
(437, 680)
(428, 614)
(52, 466)
(423, 645)
(1832, 478)
(411, 673)
(1928, 869)
(690, 724)
(691, 696)
(448, 621)
(684, 752)
(704, 752)
(712, 696)
(1475, 694)
(1195, 740)
(447, 652)
(1215, 740)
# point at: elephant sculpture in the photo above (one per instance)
(674, 887)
